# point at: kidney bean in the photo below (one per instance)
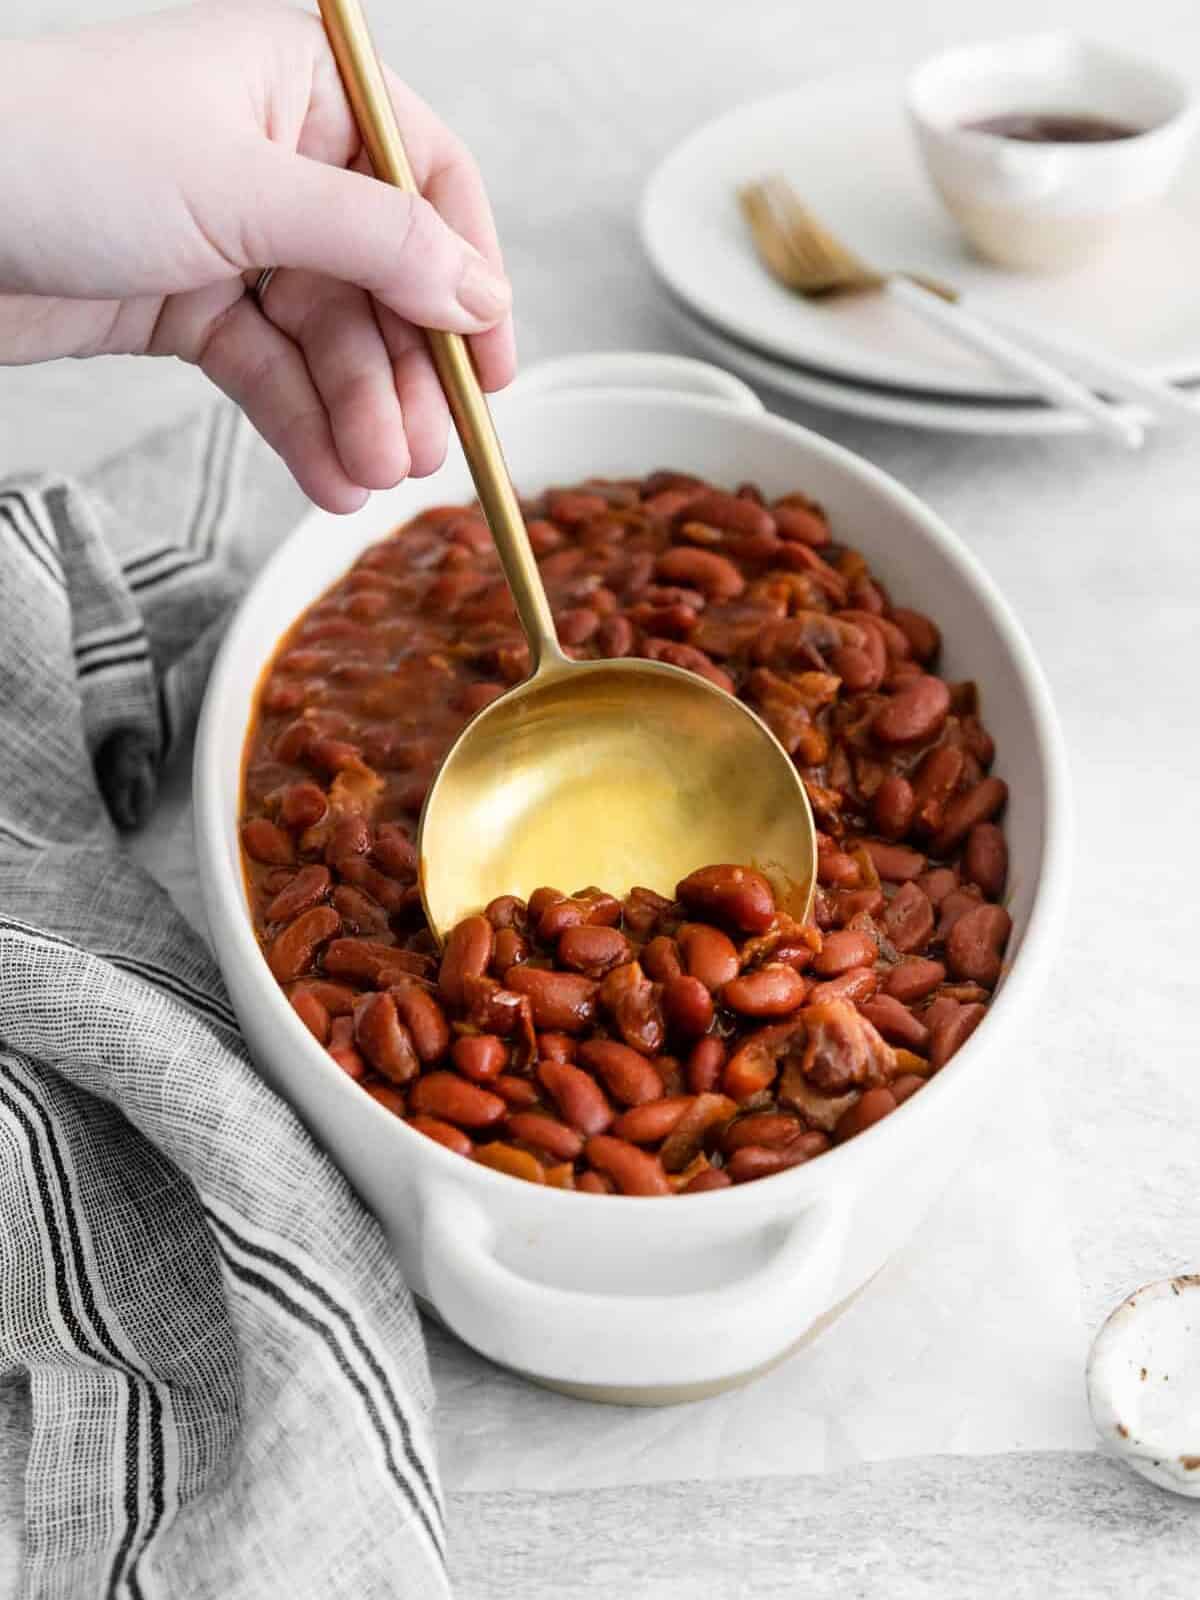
(737, 896)
(444, 1095)
(577, 1095)
(908, 920)
(593, 951)
(871, 1107)
(914, 714)
(687, 657)
(628, 1076)
(641, 910)
(292, 952)
(302, 805)
(652, 1122)
(838, 870)
(509, 950)
(687, 1006)
(895, 1022)
(563, 913)
(368, 961)
(723, 510)
(540, 902)
(633, 1171)
(913, 978)
(804, 524)
(443, 1133)
(424, 1019)
(769, 1129)
(951, 1031)
(266, 841)
(614, 637)
(595, 1183)
(308, 888)
(560, 1000)
(384, 1094)
(359, 913)
(708, 1178)
(978, 804)
(394, 852)
(468, 953)
(546, 1133)
(938, 883)
(312, 1014)
(894, 862)
(758, 1161)
(773, 990)
(975, 944)
(661, 959)
(861, 670)
(705, 1064)
(507, 1158)
(894, 806)
(858, 984)
(708, 954)
(843, 950)
(934, 781)
(383, 1038)
(518, 1093)
(553, 1046)
(904, 1087)
(956, 904)
(480, 1056)
(922, 634)
(985, 859)
(576, 625)
(342, 1049)
(507, 911)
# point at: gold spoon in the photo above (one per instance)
(612, 773)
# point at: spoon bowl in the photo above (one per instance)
(611, 773)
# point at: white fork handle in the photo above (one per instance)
(1098, 368)
(1053, 384)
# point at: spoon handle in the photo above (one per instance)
(362, 77)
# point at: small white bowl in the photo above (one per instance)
(1143, 1380)
(609, 1295)
(1047, 206)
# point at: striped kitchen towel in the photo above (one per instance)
(211, 1370)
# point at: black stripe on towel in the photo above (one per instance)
(361, 1345)
(265, 1286)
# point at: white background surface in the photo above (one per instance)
(568, 106)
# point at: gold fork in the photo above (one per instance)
(803, 255)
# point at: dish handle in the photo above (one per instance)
(635, 369)
(632, 1341)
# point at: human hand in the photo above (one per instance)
(150, 170)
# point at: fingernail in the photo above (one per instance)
(483, 293)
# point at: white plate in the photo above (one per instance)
(845, 145)
(911, 410)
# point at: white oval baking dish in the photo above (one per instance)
(612, 1296)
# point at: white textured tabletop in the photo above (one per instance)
(568, 107)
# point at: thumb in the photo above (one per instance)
(352, 227)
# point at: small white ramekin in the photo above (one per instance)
(1047, 206)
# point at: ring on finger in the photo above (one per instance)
(261, 284)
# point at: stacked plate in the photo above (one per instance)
(845, 147)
